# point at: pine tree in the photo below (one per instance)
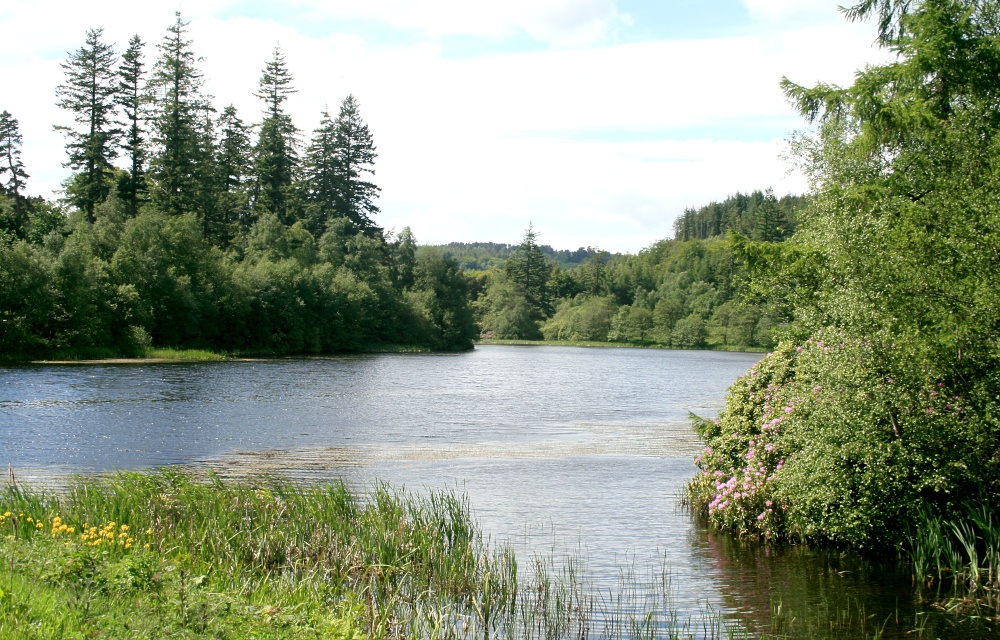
(11, 168)
(321, 176)
(768, 220)
(275, 156)
(528, 269)
(233, 166)
(131, 99)
(89, 94)
(356, 153)
(182, 166)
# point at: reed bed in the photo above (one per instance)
(957, 560)
(291, 561)
(166, 554)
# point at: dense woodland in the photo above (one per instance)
(687, 292)
(187, 226)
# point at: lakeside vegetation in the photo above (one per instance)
(160, 553)
(874, 424)
(689, 292)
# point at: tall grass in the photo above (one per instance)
(395, 564)
(959, 557)
(196, 554)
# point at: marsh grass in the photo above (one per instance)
(956, 561)
(166, 554)
(272, 559)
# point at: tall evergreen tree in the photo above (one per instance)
(768, 221)
(275, 157)
(356, 153)
(89, 94)
(131, 99)
(233, 166)
(321, 176)
(530, 271)
(11, 168)
(182, 166)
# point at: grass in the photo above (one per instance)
(161, 553)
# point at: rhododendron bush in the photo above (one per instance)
(834, 440)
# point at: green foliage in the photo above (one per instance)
(481, 256)
(89, 96)
(163, 554)
(838, 440)
(275, 157)
(892, 410)
(232, 250)
(758, 214)
(505, 312)
(12, 173)
(131, 98)
(584, 318)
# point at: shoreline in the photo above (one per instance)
(616, 345)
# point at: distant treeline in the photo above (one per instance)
(756, 215)
(185, 227)
(480, 256)
(681, 292)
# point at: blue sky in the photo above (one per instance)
(598, 121)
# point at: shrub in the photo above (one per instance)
(838, 440)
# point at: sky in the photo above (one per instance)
(596, 121)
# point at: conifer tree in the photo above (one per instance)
(321, 176)
(12, 171)
(528, 269)
(356, 153)
(182, 166)
(89, 95)
(768, 220)
(131, 99)
(275, 156)
(233, 166)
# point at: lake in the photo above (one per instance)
(560, 450)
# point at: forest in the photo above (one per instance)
(210, 231)
(691, 291)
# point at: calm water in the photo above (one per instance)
(564, 449)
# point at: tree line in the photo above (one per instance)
(185, 226)
(685, 292)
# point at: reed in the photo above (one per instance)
(383, 565)
(164, 553)
(959, 558)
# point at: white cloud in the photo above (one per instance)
(556, 21)
(783, 9)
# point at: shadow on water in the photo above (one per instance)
(802, 592)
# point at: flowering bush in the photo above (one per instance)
(837, 439)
